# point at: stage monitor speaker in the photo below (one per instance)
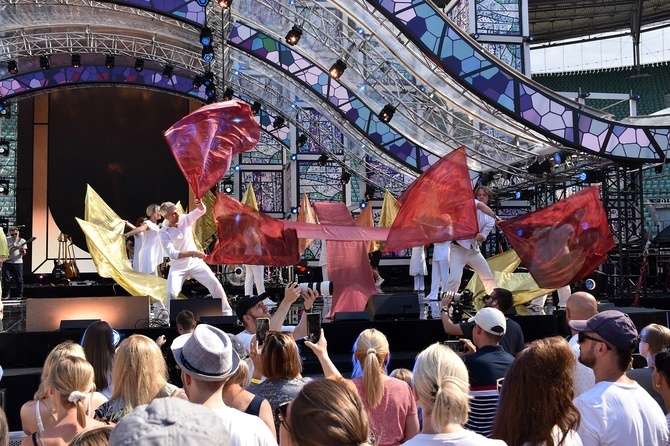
(121, 312)
(394, 306)
(352, 316)
(76, 324)
(218, 320)
(199, 307)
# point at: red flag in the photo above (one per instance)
(204, 142)
(250, 237)
(438, 206)
(564, 242)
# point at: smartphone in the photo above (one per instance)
(313, 327)
(456, 345)
(262, 327)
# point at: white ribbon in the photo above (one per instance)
(76, 396)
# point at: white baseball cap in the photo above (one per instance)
(491, 320)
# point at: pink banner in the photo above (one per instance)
(339, 233)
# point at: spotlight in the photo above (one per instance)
(323, 159)
(636, 96)
(522, 195)
(560, 157)
(167, 71)
(109, 61)
(584, 95)
(139, 64)
(208, 53)
(294, 210)
(590, 176)
(363, 204)
(4, 187)
(225, 4)
(475, 36)
(294, 35)
(369, 192)
(236, 168)
(210, 91)
(278, 122)
(197, 81)
(4, 109)
(228, 94)
(301, 141)
(337, 69)
(206, 36)
(294, 157)
(387, 113)
(44, 62)
(4, 148)
(255, 107)
(228, 186)
(12, 67)
(590, 284)
(76, 61)
(208, 79)
(202, 3)
(344, 179)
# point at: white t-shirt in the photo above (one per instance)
(463, 438)
(620, 414)
(245, 429)
(571, 438)
(584, 377)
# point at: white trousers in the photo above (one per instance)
(459, 258)
(419, 282)
(200, 271)
(254, 274)
(439, 277)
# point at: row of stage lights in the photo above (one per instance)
(75, 61)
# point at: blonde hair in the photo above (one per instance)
(97, 436)
(62, 350)
(4, 429)
(441, 382)
(140, 372)
(73, 375)
(152, 208)
(241, 376)
(656, 336)
(371, 350)
(403, 375)
(165, 206)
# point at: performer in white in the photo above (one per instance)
(440, 273)
(177, 239)
(417, 267)
(151, 252)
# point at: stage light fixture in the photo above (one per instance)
(228, 94)
(208, 78)
(4, 109)
(228, 186)
(337, 69)
(369, 192)
(387, 113)
(255, 107)
(167, 71)
(4, 148)
(475, 36)
(584, 95)
(294, 157)
(4, 187)
(45, 64)
(206, 36)
(197, 81)
(110, 61)
(522, 195)
(294, 35)
(202, 3)
(301, 141)
(636, 96)
(225, 4)
(323, 159)
(210, 91)
(560, 157)
(237, 168)
(294, 210)
(278, 122)
(344, 179)
(12, 67)
(76, 60)
(139, 64)
(207, 53)
(363, 204)
(590, 176)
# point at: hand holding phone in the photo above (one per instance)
(455, 345)
(313, 327)
(262, 327)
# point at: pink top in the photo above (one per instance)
(387, 420)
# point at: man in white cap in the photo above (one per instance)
(487, 364)
(207, 359)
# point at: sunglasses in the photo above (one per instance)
(280, 413)
(581, 337)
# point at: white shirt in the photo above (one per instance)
(463, 438)
(571, 438)
(245, 429)
(583, 376)
(485, 224)
(179, 239)
(617, 414)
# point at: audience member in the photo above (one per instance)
(653, 338)
(327, 412)
(661, 377)
(4, 427)
(38, 414)
(185, 322)
(580, 306)
(487, 364)
(207, 360)
(513, 341)
(71, 382)
(616, 410)
(441, 390)
(99, 345)
(388, 402)
(235, 394)
(97, 436)
(406, 375)
(140, 374)
(172, 421)
(530, 412)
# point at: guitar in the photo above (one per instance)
(25, 242)
(65, 268)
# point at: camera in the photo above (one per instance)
(462, 305)
(324, 288)
(456, 345)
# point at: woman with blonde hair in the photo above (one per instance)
(98, 436)
(37, 414)
(441, 386)
(530, 412)
(71, 382)
(388, 402)
(140, 374)
(653, 338)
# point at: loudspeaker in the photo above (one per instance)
(76, 324)
(199, 307)
(352, 316)
(394, 306)
(218, 320)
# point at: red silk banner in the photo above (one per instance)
(564, 242)
(438, 206)
(250, 237)
(336, 232)
(204, 142)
